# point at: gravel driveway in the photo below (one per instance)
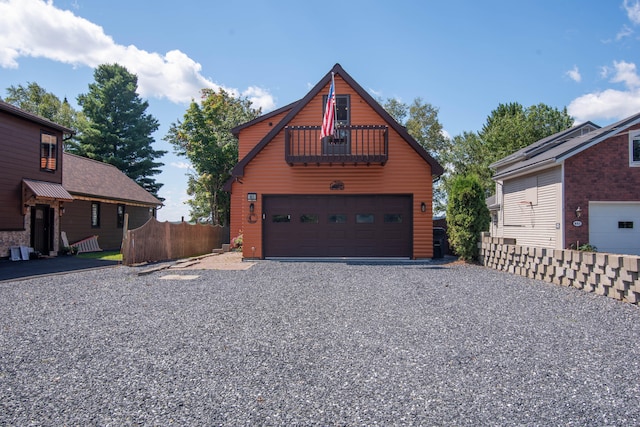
(315, 344)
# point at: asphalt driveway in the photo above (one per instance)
(315, 344)
(17, 270)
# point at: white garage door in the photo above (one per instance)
(615, 227)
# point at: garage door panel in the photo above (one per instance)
(615, 227)
(337, 234)
(365, 234)
(337, 226)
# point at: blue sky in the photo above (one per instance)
(463, 57)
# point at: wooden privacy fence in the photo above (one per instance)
(160, 241)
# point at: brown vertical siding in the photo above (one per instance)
(20, 147)
(268, 173)
(76, 222)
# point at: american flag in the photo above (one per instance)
(328, 121)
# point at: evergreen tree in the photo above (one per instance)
(467, 215)
(117, 129)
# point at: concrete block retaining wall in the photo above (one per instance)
(612, 275)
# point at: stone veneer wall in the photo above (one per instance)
(612, 275)
(15, 238)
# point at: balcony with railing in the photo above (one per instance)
(351, 144)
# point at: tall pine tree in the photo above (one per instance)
(117, 129)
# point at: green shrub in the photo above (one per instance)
(467, 215)
(587, 248)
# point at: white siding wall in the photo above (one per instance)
(531, 209)
(496, 228)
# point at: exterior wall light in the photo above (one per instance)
(423, 207)
(578, 212)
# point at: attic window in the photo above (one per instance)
(634, 149)
(48, 151)
(341, 143)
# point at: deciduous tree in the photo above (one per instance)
(35, 99)
(204, 137)
(422, 123)
(508, 128)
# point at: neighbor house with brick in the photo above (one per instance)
(576, 187)
(31, 192)
(363, 191)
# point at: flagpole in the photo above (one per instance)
(333, 83)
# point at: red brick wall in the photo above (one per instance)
(600, 173)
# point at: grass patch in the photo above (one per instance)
(105, 256)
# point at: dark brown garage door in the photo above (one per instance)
(337, 226)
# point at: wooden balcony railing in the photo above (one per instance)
(352, 144)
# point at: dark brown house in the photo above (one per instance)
(31, 191)
(102, 195)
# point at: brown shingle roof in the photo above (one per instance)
(86, 177)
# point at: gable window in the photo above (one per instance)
(341, 143)
(120, 218)
(95, 214)
(48, 151)
(634, 148)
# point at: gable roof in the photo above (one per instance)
(91, 178)
(236, 130)
(12, 109)
(544, 144)
(556, 148)
(238, 170)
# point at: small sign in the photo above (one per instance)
(252, 197)
(336, 185)
(577, 223)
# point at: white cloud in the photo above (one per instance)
(574, 74)
(624, 32)
(610, 103)
(625, 72)
(376, 93)
(60, 35)
(633, 10)
(181, 165)
(260, 98)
